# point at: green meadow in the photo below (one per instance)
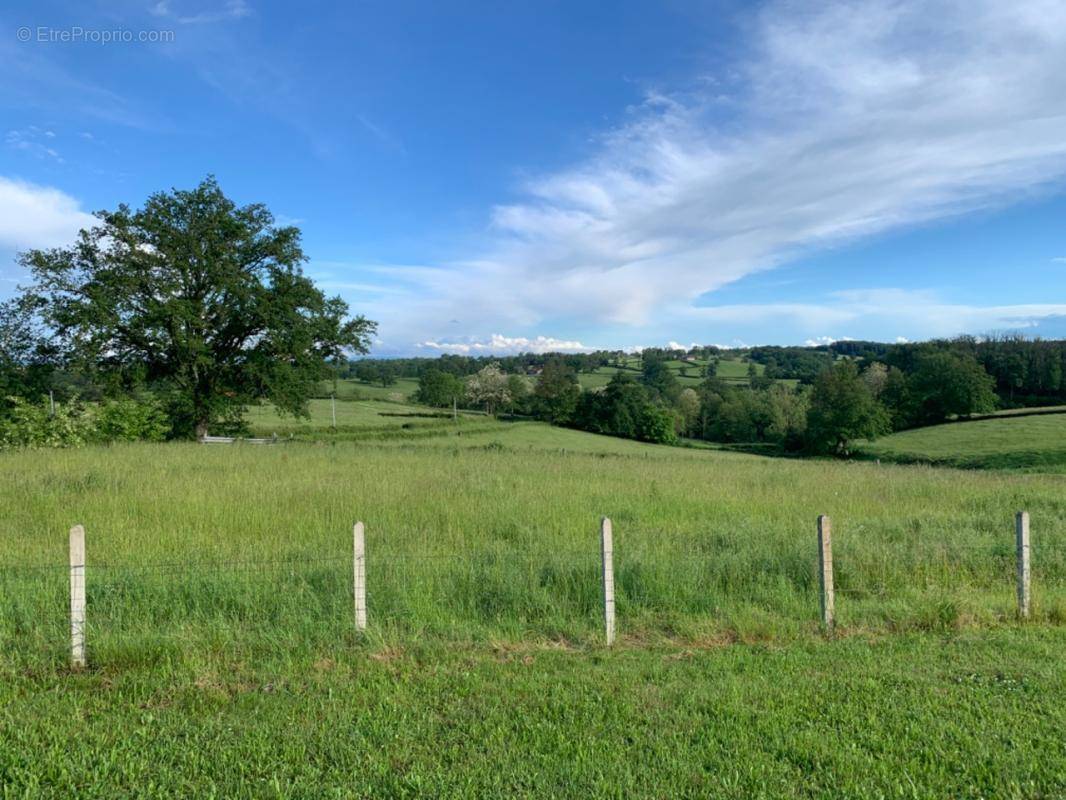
(223, 659)
(1007, 441)
(689, 374)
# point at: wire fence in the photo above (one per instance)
(509, 590)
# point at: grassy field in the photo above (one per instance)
(1035, 443)
(399, 392)
(223, 659)
(919, 715)
(730, 370)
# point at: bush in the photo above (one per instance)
(131, 421)
(656, 424)
(33, 425)
(73, 424)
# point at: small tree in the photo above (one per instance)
(518, 389)
(875, 377)
(659, 379)
(896, 398)
(946, 384)
(556, 393)
(656, 424)
(386, 374)
(843, 410)
(365, 372)
(688, 406)
(488, 389)
(439, 389)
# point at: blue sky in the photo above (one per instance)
(495, 177)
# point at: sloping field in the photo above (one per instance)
(1035, 443)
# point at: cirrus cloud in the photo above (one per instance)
(844, 121)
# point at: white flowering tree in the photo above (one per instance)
(489, 389)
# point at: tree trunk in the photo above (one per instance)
(201, 430)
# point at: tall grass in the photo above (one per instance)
(200, 550)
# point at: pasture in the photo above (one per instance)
(1007, 441)
(350, 389)
(689, 374)
(223, 657)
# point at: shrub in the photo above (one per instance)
(33, 425)
(131, 421)
(656, 424)
(73, 424)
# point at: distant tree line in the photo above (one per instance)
(364, 369)
(1025, 372)
(850, 398)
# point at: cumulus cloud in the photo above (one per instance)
(886, 308)
(844, 120)
(38, 216)
(823, 341)
(507, 345)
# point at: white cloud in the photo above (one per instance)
(844, 121)
(884, 308)
(822, 341)
(1059, 260)
(34, 141)
(508, 345)
(38, 216)
(231, 9)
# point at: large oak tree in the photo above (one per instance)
(199, 298)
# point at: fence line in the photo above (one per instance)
(359, 560)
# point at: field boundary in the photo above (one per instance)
(366, 569)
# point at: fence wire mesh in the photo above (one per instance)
(516, 590)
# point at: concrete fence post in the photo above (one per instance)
(77, 596)
(607, 550)
(825, 570)
(1021, 531)
(359, 567)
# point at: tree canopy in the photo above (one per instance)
(557, 392)
(946, 384)
(489, 389)
(440, 389)
(199, 298)
(842, 410)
